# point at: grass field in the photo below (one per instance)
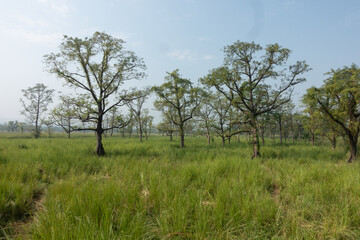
(56, 188)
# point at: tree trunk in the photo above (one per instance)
(353, 150)
(333, 142)
(262, 133)
(100, 151)
(256, 143)
(208, 136)
(229, 140)
(280, 133)
(37, 132)
(223, 141)
(140, 131)
(182, 137)
(182, 140)
(171, 136)
(68, 132)
(273, 133)
(312, 138)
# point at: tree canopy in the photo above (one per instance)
(98, 66)
(256, 80)
(339, 98)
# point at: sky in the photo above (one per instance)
(188, 35)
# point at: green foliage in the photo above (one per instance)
(97, 66)
(178, 100)
(256, 80)
(37, 100)
(65, 113)
(339, 100)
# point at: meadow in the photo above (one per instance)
(57, 188)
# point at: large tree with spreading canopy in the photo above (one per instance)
(256, 80)
(96, 66)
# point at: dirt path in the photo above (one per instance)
(274, 189)
(275, 193)
(20, 229)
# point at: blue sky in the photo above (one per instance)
(170, 34)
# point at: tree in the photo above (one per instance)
(117, 119)
(12, 125)
(339, 98)
(48, 122)
(205, 115)
(167, 128)
(98, 66)
(179, 95)
(329, 129)
(299, 120)
(247, 80)
(312, 117)
(114, 115)
(64, 114)
(136, 106)
(147, 122)
(222, 108)
(38, 98)
(22, 126)
(282, 116)
(264, 122)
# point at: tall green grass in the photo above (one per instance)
(155, 190)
